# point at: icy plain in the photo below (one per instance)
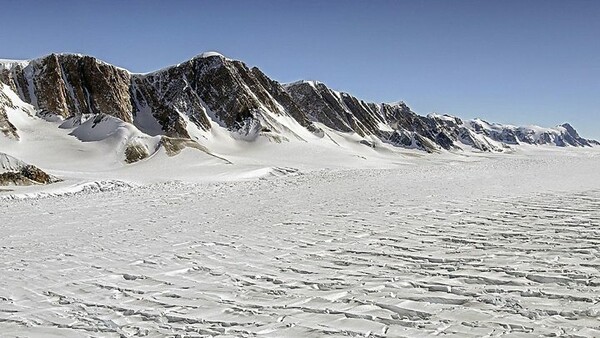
(498, 245)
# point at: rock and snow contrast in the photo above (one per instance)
(206, 199)
(211, 94)
(70, 113)
(15, 172)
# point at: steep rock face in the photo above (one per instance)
(67, 84)
(399, 125)
(430, 133)
(205, 88)
(571, 136)
(339, 111)
(6, 127)
(193, 96)
(211, 87)
(13, 75)
(393, 123)
(277, 91)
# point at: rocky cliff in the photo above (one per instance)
(6, 127)
(399, 125)
(69, 84)
(208, 91)
(213, 88)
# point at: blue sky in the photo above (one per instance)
(519, 62)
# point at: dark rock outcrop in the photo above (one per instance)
(193, 96)
(207, 87)
(338, 111)
(16, 172)
(399, 125)
(69, 84)
(212, 87)
(135, 152)
(6, 127)
(28, 175)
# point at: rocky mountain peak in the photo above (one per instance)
(213, 88)
(570, 130)
(189, 99)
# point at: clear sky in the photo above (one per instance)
(520, 62)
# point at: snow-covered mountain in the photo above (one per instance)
(397, 124)
(211, 100)
(178, 101)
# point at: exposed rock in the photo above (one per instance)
(36, 175)
(188, 99)
(14, 178)
(277, 91)
(135, 152)
(339, 111)
(69, 84)
(564, 135)
(367, 143)
(395, 124)
(572, 137)
(13, 75)
(215, 88)
(16, 172)
(173, 146)
(7, 128)
(399, 125)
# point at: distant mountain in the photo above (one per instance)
(399, 125)
(191, 100)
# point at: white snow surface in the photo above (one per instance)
(210, 54)
(488, 246)
(534, 131)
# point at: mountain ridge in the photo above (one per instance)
(191, 99)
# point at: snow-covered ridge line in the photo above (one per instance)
(212, 102)
(9, 64)
(203, 55)
(6, 64)
(312, 83)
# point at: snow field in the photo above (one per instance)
(499, 246)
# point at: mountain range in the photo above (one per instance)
(186, 104)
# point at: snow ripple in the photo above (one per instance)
(78, 189)
(305, 256)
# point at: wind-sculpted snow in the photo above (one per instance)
(501, 246)
(74, 190)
